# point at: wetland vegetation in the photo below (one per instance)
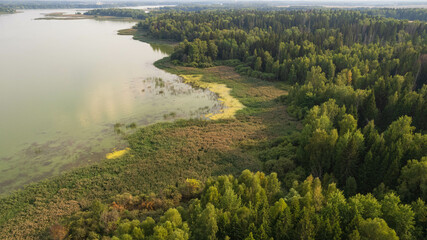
(72, 125)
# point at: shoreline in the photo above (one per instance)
(107, 153)
(64, 16)
(230, 105)
(160, 155)
(5, 13)
(167, 45)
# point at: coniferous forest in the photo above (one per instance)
(355, 168)
(358, 83)
(359, 88)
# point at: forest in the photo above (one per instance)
(347, 56)
(251, 206)
(409, 14)
(356, 168)
(117, 12)
(358, 88)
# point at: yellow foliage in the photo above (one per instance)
(193, 182)
(229, 103)
(191, 187)
(117, 154)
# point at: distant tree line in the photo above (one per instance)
(119, 12)
(7, 10)
(411, 14)
(62, 4)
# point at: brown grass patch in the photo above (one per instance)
(43, 215)
(194, 150)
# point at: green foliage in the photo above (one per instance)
(119, 12)
(409, 14)
(120, 219)
(361, 160)
(363, 62)
(197, 53)
(360, 91)
(413, 180)
(376, 229)
(309, 212)
(398, 216)
(7, 10)
(420, 209)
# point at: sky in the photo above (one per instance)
(312, 1)
(292, 2)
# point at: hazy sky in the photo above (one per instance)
(292, 2)
(338, 1)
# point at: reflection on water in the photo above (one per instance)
(63, 86)
(162, 48)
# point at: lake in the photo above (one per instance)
(64, 84)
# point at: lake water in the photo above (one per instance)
(65, 83)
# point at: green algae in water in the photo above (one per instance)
(64, 86)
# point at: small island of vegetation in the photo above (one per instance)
(5, 10)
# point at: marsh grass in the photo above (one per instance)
(160, 155)
(169, 115)
(131, 125)
(230, 104)
(129, 31)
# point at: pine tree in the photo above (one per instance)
(258, 64)
(305, 225)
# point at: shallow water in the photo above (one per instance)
(65, 83)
